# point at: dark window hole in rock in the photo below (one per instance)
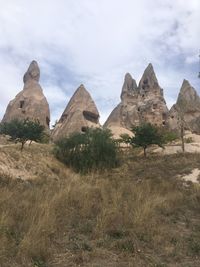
(21, 103)
(90, 116)
(84, 129)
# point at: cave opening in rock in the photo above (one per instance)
(145, 81)
(90, 116)
(21, 103)
(164, 116)
(84, 129)
(155, 106)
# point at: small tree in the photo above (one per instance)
(93, 150)
(22, 130)
(146, 135)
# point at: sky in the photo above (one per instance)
(95, 43)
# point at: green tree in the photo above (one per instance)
(93, 150)
(146, 135)
(23, 130)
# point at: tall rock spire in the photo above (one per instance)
(80, 113)
(125, 113)
(149, 83)
(30, 102)
(187, 108)
(188, 98)
(33, 72)
(129, 86)
(144, 103)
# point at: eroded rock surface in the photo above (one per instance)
(186, 110)
(139, 104)
(30, 102)
(81, 113)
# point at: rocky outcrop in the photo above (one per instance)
(186, 110)
(139, 104)
(30, 102)
(33, 73)
(81, 113)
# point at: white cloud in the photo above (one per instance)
(96, 43)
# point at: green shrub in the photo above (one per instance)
(45, 138)
(124, 139)
(169, 136)
(93, 150)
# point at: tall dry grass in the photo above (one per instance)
(137, 215)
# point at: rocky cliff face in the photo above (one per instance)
(187, 109)
(139, 104)
(30, 102)
(80, 113)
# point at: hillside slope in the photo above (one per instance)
(36, 161)
(140, 214)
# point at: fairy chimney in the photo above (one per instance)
(30, 102)
(139, 104)
(81, 113)
(186, 110)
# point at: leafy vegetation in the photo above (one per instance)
(168, 135)
(125, 139)
(146, 135)
(93, 150)
(23, 130)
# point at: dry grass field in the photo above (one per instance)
(140, 214)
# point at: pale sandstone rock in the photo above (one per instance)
(144, 103)
(186, 109)
(81, 113)
(33, 72)
(118, 131)
(30, 102)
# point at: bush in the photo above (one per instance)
(125, 139)
(93, 150)
(45, 138)
(168, 136)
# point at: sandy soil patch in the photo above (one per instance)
(172, 149)
(195, 137)
(117, 131)
(192, 147)
(192, 177)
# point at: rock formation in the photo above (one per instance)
(186, 110)
(30, 102)
(143, 103)
(80, 114)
